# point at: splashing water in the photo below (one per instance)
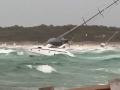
(45, 69)
(91, 66)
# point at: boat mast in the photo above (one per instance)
(86, 21)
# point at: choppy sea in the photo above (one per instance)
(19, 68)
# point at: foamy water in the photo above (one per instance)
(42, 68)
(6, 51)
(91, 65)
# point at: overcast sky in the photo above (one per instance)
(56, 12)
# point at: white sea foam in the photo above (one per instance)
(42, 68)
(93, 47)
(20, 53)
(71, 50)
(45, 68)
(29, 66)
(6, 51)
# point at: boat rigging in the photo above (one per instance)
(60, 40)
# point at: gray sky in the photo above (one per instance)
(56, 12)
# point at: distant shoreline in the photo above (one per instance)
(77, 46)
(42, 33)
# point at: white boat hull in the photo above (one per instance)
(50, 51)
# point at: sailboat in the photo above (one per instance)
(57, 45)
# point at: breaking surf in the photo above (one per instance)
(19, 69)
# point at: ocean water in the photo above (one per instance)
(19, 68)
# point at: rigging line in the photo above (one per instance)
(100, 12)
(112, 36)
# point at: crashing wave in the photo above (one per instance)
(42, 68)
(6, 51)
